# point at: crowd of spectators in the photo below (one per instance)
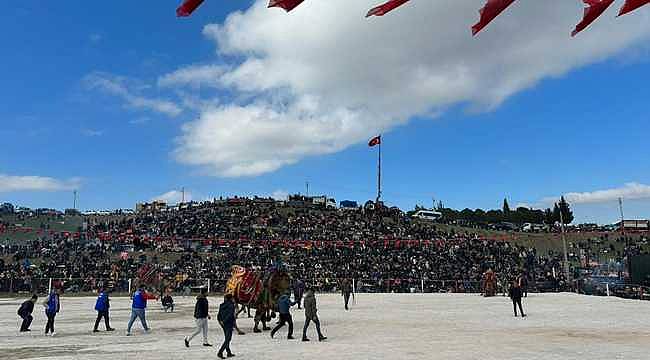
(382, 249)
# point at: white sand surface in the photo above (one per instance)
(379, 326)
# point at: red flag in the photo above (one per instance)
(489, 12)
(375, 141)
(287, 5)
(631, 5)
(385, 8)
(188, 7)
(592, 12)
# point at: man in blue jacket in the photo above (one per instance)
(102, 305)
(226, 319)
(52, 307)
(138, 309)
(284, 305)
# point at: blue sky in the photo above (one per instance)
(84, 104)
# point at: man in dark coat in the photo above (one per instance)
(298, 291)
(346, 291)
(102, 305)
(515, 295)
(226, 319)
(168, 303)
(523, 283)
(311, 315)
(202, 316)
(25, 312)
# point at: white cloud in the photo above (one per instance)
(629, 191)
(116, 86)
(194, 75)
(173, 197)
(280, 195)
(320, 79)
(10, 183)
(523, 205)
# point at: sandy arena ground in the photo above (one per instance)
(440, 326)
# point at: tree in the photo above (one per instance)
(494, 216)
(556, 213)
(479, 216)
(467, 214)
(567, 214)
(506, 207)
(548, 217)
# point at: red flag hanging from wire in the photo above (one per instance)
(594, 9)
(489, 12)
(287, 5)
(375, 141)
(187, 8)
(385, 8)
(631, 5)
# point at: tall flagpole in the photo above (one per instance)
(379, 173)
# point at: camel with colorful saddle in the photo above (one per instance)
(259, 291)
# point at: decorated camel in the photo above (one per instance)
(259, 291)
(489, 283)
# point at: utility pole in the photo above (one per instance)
(379, 172)
(620, 207)
(566, 256)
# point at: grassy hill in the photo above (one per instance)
(58, 224)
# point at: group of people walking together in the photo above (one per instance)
(227, 319)
(225, 316)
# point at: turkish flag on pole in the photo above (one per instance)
(631, 5)
(188, 7)
(287, 5)
(592, 12)
(375, 141)
(489, 12)
(385, 8)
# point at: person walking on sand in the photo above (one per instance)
(311, 315)
(515, 295)
(102, 305)
(298, 291)
(139, 308)
(284, 305)
(201, 317)
(226, 319)
(346, 291)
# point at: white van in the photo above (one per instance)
(427, 215)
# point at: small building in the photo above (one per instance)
(154, 206)
(324, 201)
(634, 225)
